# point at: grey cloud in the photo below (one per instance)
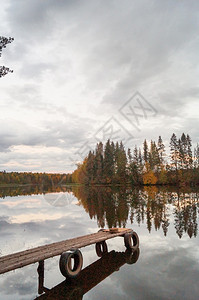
(17, 133)
(168, 266)
(141, 35)
(32, 228)
(28, 96)
(37, 16)
(35, 70)
(131, 43)
(66, 135)
(172, 102)
(114, 49)
(33, 25)
(156, 275)
(57, 133)
(124, 46)
(23, 286)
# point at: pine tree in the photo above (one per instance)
(180, 154)
(183, 151)
(189, 153)
(133, 169)
(136, 156)
(174, 153)
(140, 161)
(161, 151)
(90, 167)
(153, 157)
(121, 163)
(98, 163)
(130, 157)
(145, 152)
(196, 156)
(108, 162)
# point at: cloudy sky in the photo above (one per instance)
(86, 71)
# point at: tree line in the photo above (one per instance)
(112, 164)
(42, 179)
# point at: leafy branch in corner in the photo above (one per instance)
(3, 43)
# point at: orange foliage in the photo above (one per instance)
(149, 178)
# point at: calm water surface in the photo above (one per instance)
(166, 267)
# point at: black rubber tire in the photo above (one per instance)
(129, 238)
(101, 248)
(65, 263)
(132, 256)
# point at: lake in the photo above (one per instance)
(166, 221)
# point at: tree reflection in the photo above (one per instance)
(109, 208)
(185, 213)
(112, 207)
(23, 190)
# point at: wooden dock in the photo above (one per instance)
(30, 256)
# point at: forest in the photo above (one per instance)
(111, 164)
(29, 178)
(149, 165)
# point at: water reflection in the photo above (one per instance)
(167, 269)
(113, 207)
(92, 275)
(23, 190)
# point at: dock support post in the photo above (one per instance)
(40, 271)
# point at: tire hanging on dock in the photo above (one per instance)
(131, 240)
(101, 248)
(69, 268)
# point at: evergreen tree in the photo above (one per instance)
(161, 151)
(181, 154)
(130, 157)
(174, 153)
(183, 151)
(90, 167)
(196, 156)
(145, 152)
(133, 171)
(136, 156)
(153, 157)
(140, 161)
(98, 163)
(189, 153)
(121, 163)
(108, 162)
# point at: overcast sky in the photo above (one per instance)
(89, 70)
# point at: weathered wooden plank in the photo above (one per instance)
(30, 256)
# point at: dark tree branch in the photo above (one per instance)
(3, 42)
